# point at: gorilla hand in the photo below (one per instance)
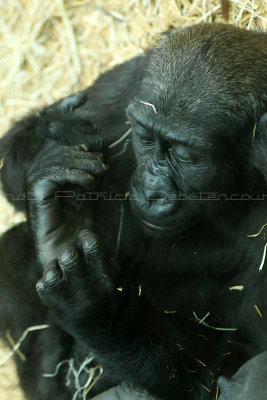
(56, 212)
(81, 288)
(67, 122)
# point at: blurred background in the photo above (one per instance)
(51, 48)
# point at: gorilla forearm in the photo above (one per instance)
(139, 359)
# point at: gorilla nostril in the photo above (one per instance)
(156, 195)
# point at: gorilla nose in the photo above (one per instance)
(154, 195)
(158, 190)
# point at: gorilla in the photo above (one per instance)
(145, 204)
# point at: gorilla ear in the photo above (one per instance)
(259, 149)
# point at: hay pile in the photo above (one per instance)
(50, 48)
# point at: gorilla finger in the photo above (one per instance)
(40, 287)
(96, 143)
(92, 248)
(95, 257)
(77, 177)
(93, 143)
(70, 103)
(94, 167)
(84, 155)
(51, 276)
(45, 187)
(52, 279)
(69, 260)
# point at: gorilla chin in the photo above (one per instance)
(172, 227)
(160, 231)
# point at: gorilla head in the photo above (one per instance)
(193, 120)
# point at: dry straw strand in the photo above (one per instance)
(201, 322)
(263, 257)
(21, 339)
(13, 344)
(258, 233)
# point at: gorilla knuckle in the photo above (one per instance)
(51, 276)
(40, 287)
(68, 256)
(90, 242)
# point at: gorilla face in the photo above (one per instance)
(173, 167)
(190, 135)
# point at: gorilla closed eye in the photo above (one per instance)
(180, 153)
(145, 135)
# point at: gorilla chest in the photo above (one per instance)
(180, 283)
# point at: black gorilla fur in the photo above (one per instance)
(172, 245)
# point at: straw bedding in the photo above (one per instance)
(50, 48)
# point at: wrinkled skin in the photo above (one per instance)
(143, 281)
